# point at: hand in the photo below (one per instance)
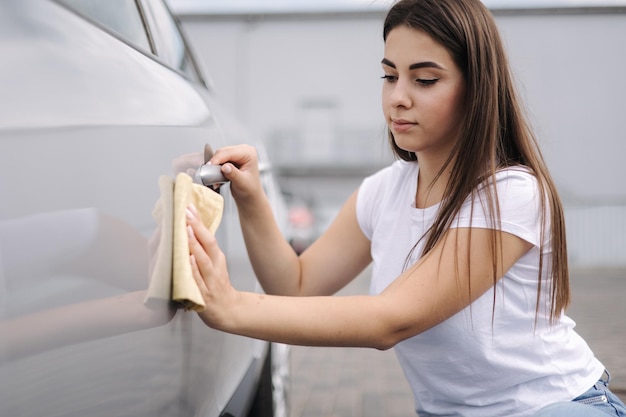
(208, 265)
(240, 165)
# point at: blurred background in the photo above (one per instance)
(305, 77)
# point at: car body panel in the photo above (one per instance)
(88, 123)
(67, 73)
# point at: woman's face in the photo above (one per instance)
(423, 92)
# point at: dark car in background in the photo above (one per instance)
(98, 98)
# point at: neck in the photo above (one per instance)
(430, 188)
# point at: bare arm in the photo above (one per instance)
(441, 284)
(331, 262)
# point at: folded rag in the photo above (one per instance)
(171, 277)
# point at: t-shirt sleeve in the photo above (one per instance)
(519, 205)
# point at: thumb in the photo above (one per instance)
(230, 171)
(242, 185)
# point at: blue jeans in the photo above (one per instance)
(599, 401)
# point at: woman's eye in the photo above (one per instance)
(389, 78)
(424, 81)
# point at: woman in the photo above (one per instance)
(465, 232)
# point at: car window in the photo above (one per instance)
(169, 42)
(121, 16)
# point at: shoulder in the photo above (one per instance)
(508, 185)
(393, 175)
(519, 176)
(392, 180)
(514, 194)
(384, 191)
(396, 168)
(517, 188)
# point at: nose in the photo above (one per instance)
(399, 95)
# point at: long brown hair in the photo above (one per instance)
(494, 133)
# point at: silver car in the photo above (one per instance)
(98, 98)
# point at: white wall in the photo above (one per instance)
(266, 70)
(570, 67)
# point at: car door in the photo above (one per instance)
(90, 121)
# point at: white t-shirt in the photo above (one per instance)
(478, 363)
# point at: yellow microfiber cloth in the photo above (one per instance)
(171, 277)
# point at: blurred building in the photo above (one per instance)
(305, 76)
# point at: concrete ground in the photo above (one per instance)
(349, 382)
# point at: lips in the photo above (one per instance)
(401, 125)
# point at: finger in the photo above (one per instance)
(201, 235)
(205, 265)
(196, 249)
(204, 290)
(197, 275)
(208, 242)
(230, 171)
(240, 155)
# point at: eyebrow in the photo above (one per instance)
(417, 65)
